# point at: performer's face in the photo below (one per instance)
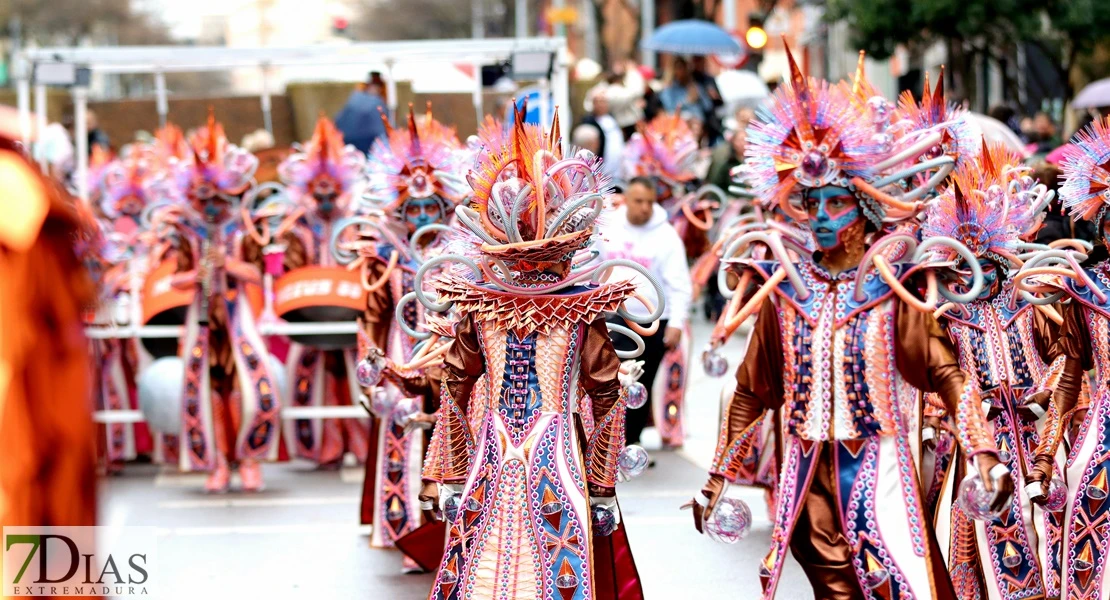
(833, 211)
(422, 211)
(991, 281)
(325, 191)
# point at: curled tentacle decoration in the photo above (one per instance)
(414, 240)
(399, 316)
(969, 257)
(357, 253)
(418, 280)
(636, 339)
(774, 242)
(1058, 263)
(277, 213)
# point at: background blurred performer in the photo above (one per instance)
(47, 438)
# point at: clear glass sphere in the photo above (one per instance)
(636, 394)
(381, 402)
(714, 363)
(368, 372)
(730, 521)
(632, 461)
(451, 507)
(1057, 497)
(405, 410)
(604, 520)
(975, 499)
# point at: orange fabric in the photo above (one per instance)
(47, 437)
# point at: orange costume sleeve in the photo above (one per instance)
(1074, 349)
(47, 437)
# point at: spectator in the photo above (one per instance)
(96, 135)
(684, 93)
(626, 99)
(1047, 136)
(612, 138)
(713, 127)
(1007, 115)
(360, 119)
(640, 231)
(1057, 224)
(55, 148)
(652, 104)
(729, 153)
(587, 137)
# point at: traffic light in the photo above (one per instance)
(756, 39)
(340, 25)
(756, 36)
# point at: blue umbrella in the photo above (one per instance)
(692, 36)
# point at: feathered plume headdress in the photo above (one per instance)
(987, 207)
(959, 139)
(1086, 172)
(664, 148)
(421, 161)
(214, 167)
(325, 168)
(532, 207)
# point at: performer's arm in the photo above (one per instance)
(462, 365)
(379, 310)
(599, 370)
(927, 359)
(759, 387)
(1073, 347)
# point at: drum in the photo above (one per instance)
(320, 295)
(164, 304)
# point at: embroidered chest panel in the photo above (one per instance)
(997, 344)
(840, 380)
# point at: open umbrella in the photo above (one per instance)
(742, 88)
(998, 132)
(694, 37)
(1094, 95)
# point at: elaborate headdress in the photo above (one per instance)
(814, 134)
(531, 206)
(986, 207)
(420, 161)
(1086, 172)
(664, 148)
(959, 138)
(122, 186)
(214, 167)
(324, 169)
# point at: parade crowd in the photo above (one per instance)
(926, 317)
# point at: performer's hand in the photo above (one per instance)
(429, 501)
(930, 430)
(672, 337)
(1036, 405)
(996, 479)
(1036, 481)
(710, 493)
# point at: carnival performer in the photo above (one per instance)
(518, 496)
(290, 246)
(1005, 346)
(122, 197)
(230, 398)
(413, 187)
(837, 344)
(47, 437)
(1080, 481)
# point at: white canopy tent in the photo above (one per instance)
(543, 59)
(159, 60)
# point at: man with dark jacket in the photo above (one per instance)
(360, 119)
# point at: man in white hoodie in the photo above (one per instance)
(639, 231)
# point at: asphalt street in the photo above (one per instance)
(300, 538)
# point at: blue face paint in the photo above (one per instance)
(832, 210)
(990, 279)
(422, 211)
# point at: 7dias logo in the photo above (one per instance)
(77, 561)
